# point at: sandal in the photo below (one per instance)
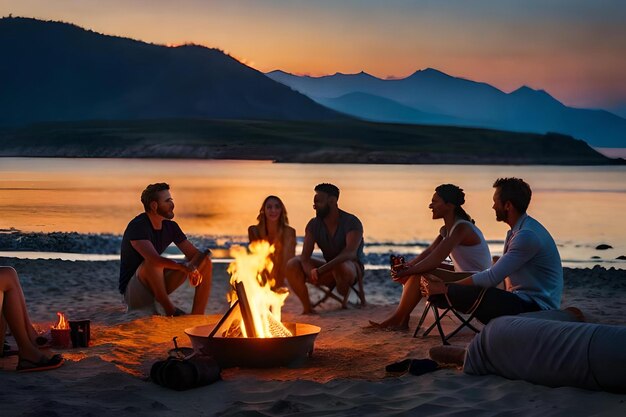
(24, 365)
(422, 366)
(401, 367)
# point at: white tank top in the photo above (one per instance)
(474, 258)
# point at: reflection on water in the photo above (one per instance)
(577, 204)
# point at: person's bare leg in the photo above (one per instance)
(3, 323)
(154, 278)
(203, 291)
(344, 274)
(297, 282)
(408, 301)
(448, 354)
(13, 311)
(32, 333)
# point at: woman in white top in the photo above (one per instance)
(458, 237)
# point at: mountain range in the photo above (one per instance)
(53, 71)
(432, 97)
(67, 91)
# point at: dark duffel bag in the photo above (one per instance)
(183, 374)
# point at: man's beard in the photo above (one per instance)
(166, 214)
(501, 215)
(321, 213)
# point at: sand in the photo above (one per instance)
(345, 376)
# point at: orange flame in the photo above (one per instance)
(251, 269)
(62, 323)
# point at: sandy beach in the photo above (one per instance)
(345, 376)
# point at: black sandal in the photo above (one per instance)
(45, 364)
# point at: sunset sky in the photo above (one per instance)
(574, 49)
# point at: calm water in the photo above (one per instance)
(581, 206)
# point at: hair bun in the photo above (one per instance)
(450, 193)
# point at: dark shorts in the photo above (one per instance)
(495, 302)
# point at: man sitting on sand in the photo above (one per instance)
(145, 275)
(339, 235)
(530, 260)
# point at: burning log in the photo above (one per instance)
(251, 332)
(259, 305)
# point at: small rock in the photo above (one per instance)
(595, 257)
(621, 257)
(604, 246)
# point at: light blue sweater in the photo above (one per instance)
(531, 260)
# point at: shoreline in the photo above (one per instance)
(83, 285)
(106, 246)
(346, 141)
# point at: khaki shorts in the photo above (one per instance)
(137, 296)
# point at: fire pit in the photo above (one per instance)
(256, 352)
(251, 333)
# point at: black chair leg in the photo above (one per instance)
(419, 325)
(438, 323)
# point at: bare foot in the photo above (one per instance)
(447, 354)
(576, 312)
(386, 327)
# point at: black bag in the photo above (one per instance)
(186, 373)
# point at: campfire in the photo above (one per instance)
(251, 332)
(258, 305)
(61, 322)
(60, 332)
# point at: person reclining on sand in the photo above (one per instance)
(339, 235)
(145, 275)
(538, 349)
(530, 260)
(458, 237)
(13, 310)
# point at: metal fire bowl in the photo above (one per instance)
(256, 352)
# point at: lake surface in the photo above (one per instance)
(581, 206)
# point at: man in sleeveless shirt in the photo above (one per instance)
(339, 235)
(146, 277)
(530, 264)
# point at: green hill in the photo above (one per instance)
(295, 141)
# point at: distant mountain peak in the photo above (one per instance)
(361, 74)
(432, 72)
(278, 72)
(526, 91)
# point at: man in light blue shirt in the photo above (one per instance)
(530, 260)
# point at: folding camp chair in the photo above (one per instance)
(464, 322)
(328, 291)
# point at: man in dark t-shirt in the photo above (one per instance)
(339, 235)
(147, 277)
